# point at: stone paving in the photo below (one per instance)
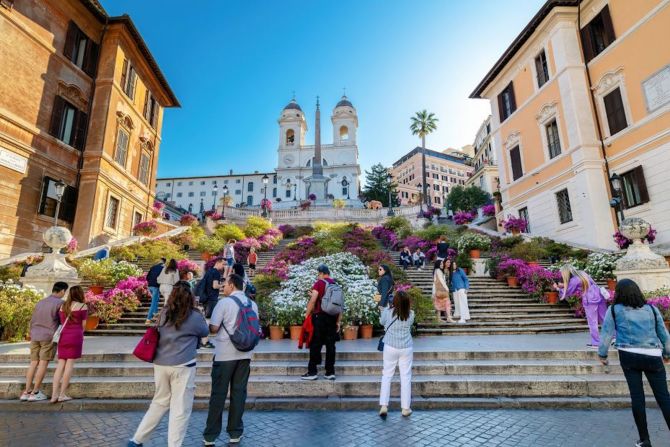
(490, 428)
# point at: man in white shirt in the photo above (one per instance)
(230, 369)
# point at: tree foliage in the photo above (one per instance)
(377, 186)
(461, 198)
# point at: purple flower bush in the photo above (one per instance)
(489, 210)
(623, 242)
(512, 267)
(72, 246)
(515, 224)
(662, 303)
(312, 197)
(187, 220)
(536, 280)
(146, 228)
(463, 217)
(288, 231)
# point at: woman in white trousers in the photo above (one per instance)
(459, 286)
(397, 322)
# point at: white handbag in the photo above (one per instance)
(59, 330)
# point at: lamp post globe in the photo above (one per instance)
(390, 213)
(419, 186)
(225, 194)
(265, 180)
(617, 199)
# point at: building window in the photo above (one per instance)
(237, 181)
(290, 137)
(288, 193)
(616, 115)
(436, 187)
(168, 184)
(167, 196)
(250, 200)
(344, 133)
(190, 183)
(274, 179)
(68, 123)
(250, 187)
(225, 182)
(553, 141)
(214, 193)
(137, 218)
(523, 213)
(344, 191)
(436, 200)
(49, 200)
(179, 194)
(506, 102)
(128, 79)
(151, 108)
(112, 216)
(121, 153)
(541, 69)
(191, 194)
(515, 160)
(598, 34)
(202, 182)
(564, 209)
(274, 192)
(143, 174)
(178, 183)
(81, 50)
(203, 193)
(634, 188)
(436, 176)
(238, 192)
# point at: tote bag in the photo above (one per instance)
(146, 348)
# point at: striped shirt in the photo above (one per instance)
(398, 335)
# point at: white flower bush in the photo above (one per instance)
(601, 265)
(290, 302)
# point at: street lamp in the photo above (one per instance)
(390, 213)
(265, 194)
(60, 190)
(420, 197)
(617, 199)
(223, 208)
(345, 184)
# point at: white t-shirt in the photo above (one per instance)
(225, 312)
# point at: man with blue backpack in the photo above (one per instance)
(325, 305)
(235, 323)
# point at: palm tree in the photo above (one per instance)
(423, 123)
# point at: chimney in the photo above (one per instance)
(231, 172)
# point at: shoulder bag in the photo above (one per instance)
(59, 331)
(146, 348)
(380, 345)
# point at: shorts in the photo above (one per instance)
(252, 266)
(230, 262)
(42, 350)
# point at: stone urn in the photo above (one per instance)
(54, 267)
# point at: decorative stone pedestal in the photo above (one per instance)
(54, 267)
(479, 268)
(649, 270)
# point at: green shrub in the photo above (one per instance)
(463, 260)
(16, 308)
(531, 251)
(400, 225)
(329, 243)
(212, 245)
(11, 272)
(433, 232)
(473, 241)
(303, 230)
(150, 251)
(422, 305)
(509, 242)
(229, 231)
(190, 237)
(256, 226)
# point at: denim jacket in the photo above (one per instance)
(459, 280)
(634, 329)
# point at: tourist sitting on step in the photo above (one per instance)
(580, 283)
(418, 258)
(643, 343)
(405, 258)
(440, 293)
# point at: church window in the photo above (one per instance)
(290, 137)
(344, 133)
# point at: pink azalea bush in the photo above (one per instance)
(186, 265)
(187, 220)
(535, 280)
(515, 224)
(266, 204)
(463, 217)
(71, 246)
(512, 267)
(662, 303)
(214, 215)
(489, 210)
(146, 228)
(623, 242)
(157, 209)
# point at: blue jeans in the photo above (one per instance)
(155, 296)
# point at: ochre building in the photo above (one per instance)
(581, 94)
(81, 100)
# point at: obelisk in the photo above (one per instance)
(317, 183)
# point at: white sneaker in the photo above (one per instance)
(462, 321)
(37, 397)
(235, 440)
(406, 412)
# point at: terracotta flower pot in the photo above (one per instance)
(206, 256)
(516, 232)
(295, 332)
(512, 281)
(366, 331)
(92, 322)
(533, 264)
(276, 332)
(500, 277)
(474, 254)
(350, 333)
(611, 284)
(96, 289)
(552, 297)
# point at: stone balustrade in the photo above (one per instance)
(298, 216)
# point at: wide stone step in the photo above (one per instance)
(142, 387)
(510, 323)
(460, 329)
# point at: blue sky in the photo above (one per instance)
(234, 64)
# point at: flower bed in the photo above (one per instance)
(515, 224)
(146, 228)
(601, 265)
(187, 220)
(107, 271)
(16, 308)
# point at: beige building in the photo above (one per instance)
(485, 169)
(81, 100)
(443, 172)
(581, 94)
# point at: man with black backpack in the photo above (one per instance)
(235, 323)
(207, 289)
(325, 305)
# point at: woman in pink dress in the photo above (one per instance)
(73, 315)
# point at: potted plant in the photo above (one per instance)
(531, 252)
(512, 267)
(463, 217)
(146, 228)
(349, 331)
(515, 225)
(209, 246)
(601, 267)
(187, 220)
(492, 264)
(539, 282)
(473, 243)
(463, 261)
(489, 210)
(97, 272)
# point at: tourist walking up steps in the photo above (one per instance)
(441, 289)
(252, 259)
(208, 288)
(73, 315)
(397, 322)
(229, 255)
(230, 370)
(168, 277)
(459, 286)
(594, 303)
(384, 294)
(643, 343)
(326, 326)
(180, 326)
(154, 288)
(43, 325)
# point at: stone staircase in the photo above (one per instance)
(132, 323)
(441, 379)
(496, 309)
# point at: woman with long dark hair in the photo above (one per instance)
(180, 327)
(441, 289)
(643, 343)
(72, 314)
(168, 278)
(385, 285)
(397, 322)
